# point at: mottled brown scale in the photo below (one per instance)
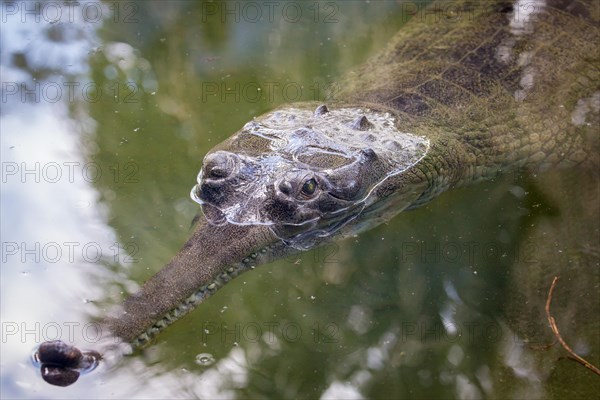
(460, 76)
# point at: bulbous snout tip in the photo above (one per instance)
(220, 165)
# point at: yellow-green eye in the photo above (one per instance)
(309, 187)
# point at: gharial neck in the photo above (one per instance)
(494, 88)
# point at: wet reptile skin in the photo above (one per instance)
(492, 85)
(504, 86)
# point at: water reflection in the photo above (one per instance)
(55, 241)
(446, 301)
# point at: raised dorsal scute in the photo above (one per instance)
(321, 110)
(361, 123)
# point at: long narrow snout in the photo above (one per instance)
(211, 257)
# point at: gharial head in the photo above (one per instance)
(308, 173)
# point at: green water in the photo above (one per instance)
(446, 301)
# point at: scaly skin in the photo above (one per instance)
(494, 88)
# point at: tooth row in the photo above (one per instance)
(196, 298)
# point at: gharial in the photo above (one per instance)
(447, 103)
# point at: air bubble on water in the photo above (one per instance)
(205, 359)
(313, 297)
(136, 129)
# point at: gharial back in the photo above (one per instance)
(516, 82)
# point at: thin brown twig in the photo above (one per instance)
(554, 328)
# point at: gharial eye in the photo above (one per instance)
(309, 187)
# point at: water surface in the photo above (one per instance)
(98, 160)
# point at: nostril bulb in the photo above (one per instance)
(219, 165)
(285, 188)
(217, 172)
